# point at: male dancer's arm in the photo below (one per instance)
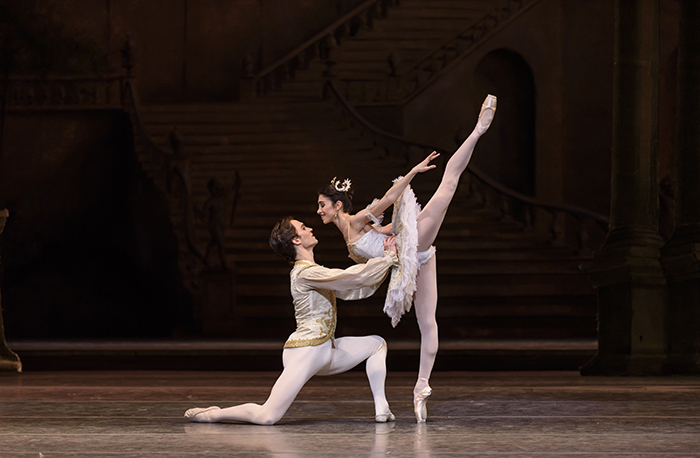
(354, 283)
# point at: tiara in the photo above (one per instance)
(341, 187)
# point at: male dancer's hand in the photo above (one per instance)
(390, 244)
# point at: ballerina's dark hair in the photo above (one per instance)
(281, 239)
(345, 197)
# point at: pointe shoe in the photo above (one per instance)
(191, 414)
(420, 404)
(488, 111)
(384, 417)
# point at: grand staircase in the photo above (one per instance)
(496, 280)
(388, 51)
(372, 61)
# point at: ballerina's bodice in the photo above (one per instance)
(369, 245)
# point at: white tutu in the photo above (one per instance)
(402, 285)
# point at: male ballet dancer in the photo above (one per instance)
(313, 349)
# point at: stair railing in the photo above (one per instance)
(318, 46)
(396, 88)
(163, 163)
(402, 88)
(489, 192)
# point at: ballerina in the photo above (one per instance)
(415, 280)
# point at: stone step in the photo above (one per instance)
(352, 47)
(452, 4)
(434, 38)
(261, 105)
(256, 208)
(368, 68)
(246, 255)
(292, 115)
(243, 233)
(575, 285)
(458, 12)
(464, 310)
(281, 165)
(366, 53)
(421, 21)
(227, 128)
(547, 305)
(273, 147)
(234, 353)
(195, 142)
(452, 267)
(483, 230)
(450, 274)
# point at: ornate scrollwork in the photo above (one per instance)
(63, 93)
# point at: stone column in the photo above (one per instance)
(9, 361)
(626, 272)
(681, 256)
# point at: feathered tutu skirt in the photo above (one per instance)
(402, 286)
(402, 283)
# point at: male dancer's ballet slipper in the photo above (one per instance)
(420, 404)
(191, 414)
(384, 417)
(488, 110)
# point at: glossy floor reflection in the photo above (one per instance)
(125, 414)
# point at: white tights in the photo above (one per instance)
(429, 221)
(300, 364)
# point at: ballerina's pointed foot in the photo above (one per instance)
(488, 110)
(384, 417)
(199, 414)
(420, 404)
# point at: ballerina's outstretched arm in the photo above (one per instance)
(395, 191)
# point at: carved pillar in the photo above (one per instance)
(681, 256)
(627, 273)
(9, 361)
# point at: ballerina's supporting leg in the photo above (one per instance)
(429, 223)
(425, 302)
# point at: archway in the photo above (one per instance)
(508, 151)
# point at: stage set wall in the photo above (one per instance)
(85, 222)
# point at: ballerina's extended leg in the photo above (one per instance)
(431, 217)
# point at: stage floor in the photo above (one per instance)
(139, 413)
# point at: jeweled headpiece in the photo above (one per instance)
(341, 187)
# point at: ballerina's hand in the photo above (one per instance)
(425, 165)
(390, 244)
